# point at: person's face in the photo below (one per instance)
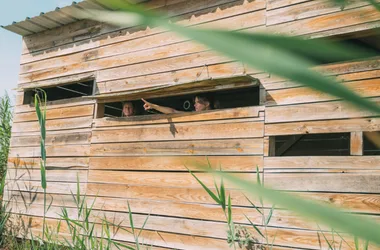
(200, 105)
(128, 109)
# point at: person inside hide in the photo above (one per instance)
(128, 109)
(201, 103)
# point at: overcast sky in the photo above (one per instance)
(10, 43)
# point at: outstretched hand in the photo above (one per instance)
(147, 105)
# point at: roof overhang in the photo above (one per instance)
(56, 18)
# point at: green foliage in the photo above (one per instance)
(236, 234)
(5, 131)
(41, 115)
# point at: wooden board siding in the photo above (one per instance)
(144, 160)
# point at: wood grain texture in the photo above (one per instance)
(51, 163)
(312, 163)
(361, 15)
(342, 72)
(181, 131)
(51, 151)
(307, 9)
(158, 179)
(324, 126)
(246, 112)
(72, 102)
(202, 147)
(356, 143)
(325, 182)
(51, 125)
(54, 139)
(364, 88)
(157, 46)
(176, 163)
(66, 112)
(51, 175)
(316, 111)
(194, 13)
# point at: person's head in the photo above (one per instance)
(203, 102)
(128, 109)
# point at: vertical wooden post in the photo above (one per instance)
(99, 110)
(262, 95)
(269, 146)
(356, 143)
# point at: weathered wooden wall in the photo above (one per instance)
(142, 160)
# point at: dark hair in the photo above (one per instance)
(214, 104)
(125, 102)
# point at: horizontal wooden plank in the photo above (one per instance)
(342, 72)
(165, 239)
(246, 112)
(80, 77)
(274, 4)
(203, 147)
(57, 124)
(322, 162)
(150, 47)
(182, 131)
(362, 203)
(204, 212)
(156, 223)
(325, 182)
(66, 112)
(361, 15)
(51, 163)
(364, 88)
(173, 194)
(72, 102)
(329, 126)
(289, 219)
(186, 206)
(176, 163)
(158, 179)
(307, 9)
(305, 239)
(203, 12)
(160, 59)
(52, 187)
(316, 111)
(186, 75)
(67, 175)
(51, 151)
(58, 139)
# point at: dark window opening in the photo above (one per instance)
(68, 91)
(369, 147)
(311, 145)
(234, 98)
(364, 40)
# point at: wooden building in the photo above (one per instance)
(305, 142)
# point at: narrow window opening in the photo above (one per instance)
(67, 91)
(312, 145)
(221, 100)
(369, 146)
(367, 40)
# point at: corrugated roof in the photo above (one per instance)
(53, 19)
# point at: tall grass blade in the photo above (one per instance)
(253, 205)
(229, 210)
(212, 195)
(222, 197)
(254, 226)
(327, 215)
(269, 216)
